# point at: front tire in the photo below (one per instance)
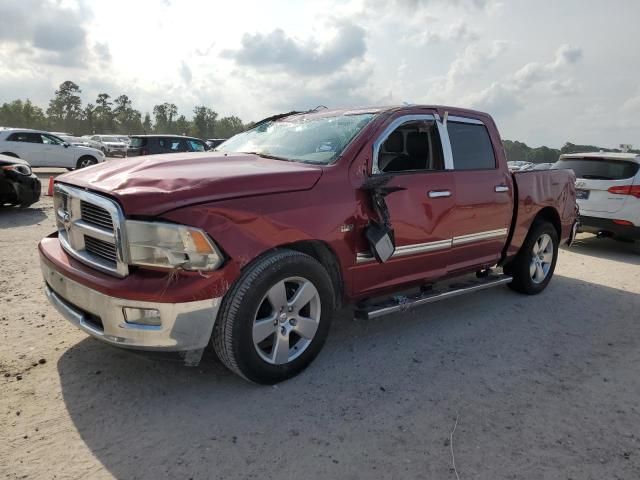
(535, 263)
(275, 319)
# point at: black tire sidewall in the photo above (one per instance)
(520, 268)
(247, 358)
(81, 160)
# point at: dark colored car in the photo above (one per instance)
(18, 184)
(214, 142)
(156, 144)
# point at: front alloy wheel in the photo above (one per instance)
(287, 320)
(275, 318)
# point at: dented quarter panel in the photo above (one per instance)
(539, 189)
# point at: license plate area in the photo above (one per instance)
(582, 194)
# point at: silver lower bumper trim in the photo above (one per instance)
(183, 326)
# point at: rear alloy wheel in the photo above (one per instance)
(86, 162)
(533, 267)
(274, 320)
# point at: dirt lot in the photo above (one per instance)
(542, 387)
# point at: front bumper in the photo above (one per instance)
(24, 190)
(607, 225)
(184, 327)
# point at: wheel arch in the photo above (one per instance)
(327, 257)
(550, 215)
(10, 154)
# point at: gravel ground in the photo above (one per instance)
(543, 387)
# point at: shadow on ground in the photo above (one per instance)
(524, 375)
(607, 248)
(14, 217)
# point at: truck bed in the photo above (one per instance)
(538, 189)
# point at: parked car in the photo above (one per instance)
(608, 192)
(18, 184)
(214, 142)
(518, 165)
(253, 248)
(77, 141)
(124, 139)
(43, 149)
(155, 144)
(110, 145)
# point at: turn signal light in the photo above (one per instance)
(633, 190)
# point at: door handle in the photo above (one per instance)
(501, 188)
(439, 193)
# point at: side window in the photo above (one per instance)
(414, 145)
(51, 140)
(26, 137)
(471, 146)
(195, 146)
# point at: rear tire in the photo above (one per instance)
(535, 263)
(266, 337)
(86, 161)
(9, 154)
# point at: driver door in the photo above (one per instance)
(57, 153)
(409, 154)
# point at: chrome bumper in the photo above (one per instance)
(184, 327)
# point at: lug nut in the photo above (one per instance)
(290, 309)
(293, 322)
(283, 331)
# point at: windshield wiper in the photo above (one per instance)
(266, 155)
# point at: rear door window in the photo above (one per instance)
(137, 142)
(599, 168)
(471, 146)
(196, 146)
(27, 137)
(172, 144)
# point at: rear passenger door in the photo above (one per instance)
(484, 196)
(28, 146)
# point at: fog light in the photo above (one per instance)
(141, 316)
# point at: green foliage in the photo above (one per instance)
(518, 151)
(65, 113)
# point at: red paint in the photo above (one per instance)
(250, 205)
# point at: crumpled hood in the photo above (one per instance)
(155, 184)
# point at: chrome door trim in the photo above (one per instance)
(404, 250)
(479, 236)
(444, 141)
(465, 120)
(390, 128)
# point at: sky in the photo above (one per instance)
(547, 71)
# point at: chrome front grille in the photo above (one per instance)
(91, 229)
(102, 249)
(96, 215)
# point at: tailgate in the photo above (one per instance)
(594, 196)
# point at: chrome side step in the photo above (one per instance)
(402, 303)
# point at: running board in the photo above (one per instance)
(402, 303)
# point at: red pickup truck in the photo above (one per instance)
(251, 248)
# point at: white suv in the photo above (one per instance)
(110, 145)
(607, 192)
(43, 149)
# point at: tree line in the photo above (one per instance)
(518, 151)
(65, 113)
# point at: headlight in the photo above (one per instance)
(19, 168)
(167, 245)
